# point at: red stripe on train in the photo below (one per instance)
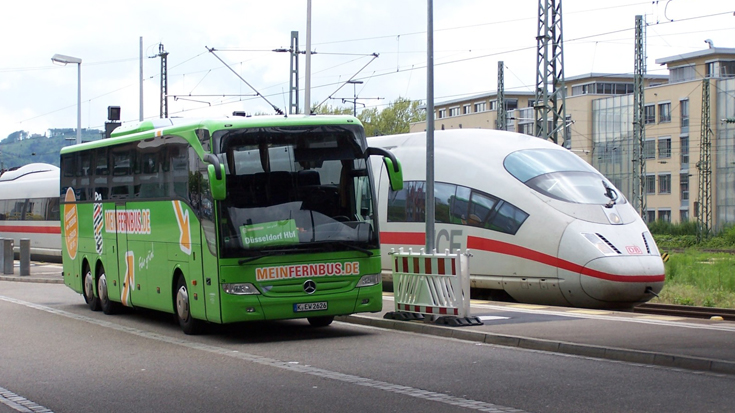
(499, 247)
(30, 229)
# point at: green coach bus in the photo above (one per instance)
(226, 220)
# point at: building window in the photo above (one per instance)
(493, 105)
(664, 148)
(684, 152)
(649, 149)
(684, 187)
(651, 184)
(650, 114)
(454, 111)
(664, 215)
(664, 184)
(684, 113)
(684, 215)
(727, 69)
(684, 73)
(709, 69)
(664, 112)
(466, 109)
(442, 113)
(650, 215)
(480, 107)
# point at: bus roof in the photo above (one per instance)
(149, 128)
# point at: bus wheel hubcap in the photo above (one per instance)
(182, 303)
(103, 287)
(89, 286)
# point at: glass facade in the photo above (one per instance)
(612, 139)
(724, 148)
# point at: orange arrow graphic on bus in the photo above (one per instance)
(182, 218)
(129, 278)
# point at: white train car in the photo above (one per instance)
(29, 208)
(542, 224)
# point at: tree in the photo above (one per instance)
(330, 110)
(396, 118)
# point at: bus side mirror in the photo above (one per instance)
(218, 187)
(216, 173)
(392, 166)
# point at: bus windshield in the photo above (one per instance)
(295, 188)
(562, 175)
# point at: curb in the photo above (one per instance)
(584, 350)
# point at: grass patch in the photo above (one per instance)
(699, 279)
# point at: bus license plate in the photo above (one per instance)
(310, 306)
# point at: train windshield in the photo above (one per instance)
(562, 175)
(298, 189)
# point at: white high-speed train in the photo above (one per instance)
(541, 224)
(29, 208)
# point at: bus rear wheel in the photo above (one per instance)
(89, 297)
(108, 307)
(320, 321)
(189, 325)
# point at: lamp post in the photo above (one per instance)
(63, 59)
(354, 95)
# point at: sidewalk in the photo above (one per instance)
(674, 342)
(41, 272)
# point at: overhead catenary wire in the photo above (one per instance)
(278, 111)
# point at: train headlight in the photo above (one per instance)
(613, 216)
(599, 244)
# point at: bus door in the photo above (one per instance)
(108, 248)
(125, 258)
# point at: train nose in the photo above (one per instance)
(623, 279)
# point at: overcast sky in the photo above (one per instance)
(470, 37)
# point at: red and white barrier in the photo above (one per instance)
(432, 284)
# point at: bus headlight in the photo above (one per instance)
(368, 280)
(240, 289)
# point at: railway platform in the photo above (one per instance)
(675, 342)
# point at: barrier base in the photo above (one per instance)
(404, 316)
(458, 321)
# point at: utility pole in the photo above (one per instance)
(140, 117)
(639, 122)
(549, 105)
(704, 214)
(163, 54)
(501, 121)
(293, 98)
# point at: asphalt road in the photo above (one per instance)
(58, 355)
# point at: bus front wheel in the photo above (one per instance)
(89, 297)
(189, 324)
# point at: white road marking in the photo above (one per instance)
(297, 368)
(20, 404)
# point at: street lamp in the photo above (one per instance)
(63, 59)
(354, 95)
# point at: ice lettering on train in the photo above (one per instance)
(449, 239)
